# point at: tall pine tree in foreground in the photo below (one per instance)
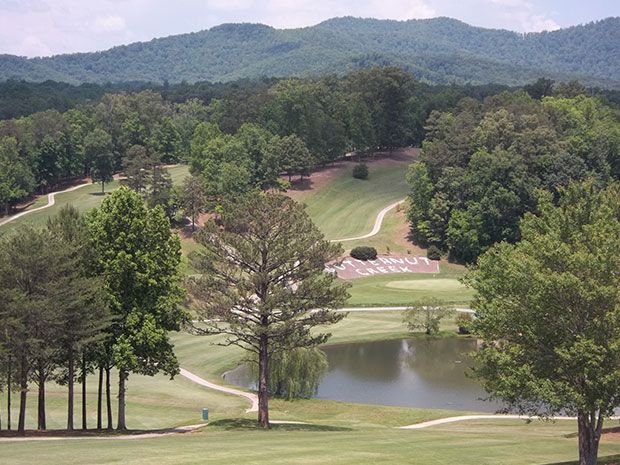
(263, 282)
(549, 313)
(138, 258)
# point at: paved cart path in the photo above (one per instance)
(51, 200)
(443, 421)
(377, 227)
(253, 398)
(146, 435)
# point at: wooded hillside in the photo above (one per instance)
(440, 50)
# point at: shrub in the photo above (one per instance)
(433, 253)
(464, 321)
(360, 171)
(364, 253)
(426, 315)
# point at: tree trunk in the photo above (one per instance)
(41, 423)
(122, 378)
(590, 426)
(23, 385)
(102, 187)
(108, 397)
(99, 397)
(8, 395)
(263, 384)
(71, 374)
(84, 420)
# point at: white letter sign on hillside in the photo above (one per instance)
(351, 268)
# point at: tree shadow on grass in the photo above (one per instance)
(247, 424)
(609, 460)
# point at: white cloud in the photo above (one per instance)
(32, 45)
(230, 5)
(109, 24)
(524, 15)
(396, 9)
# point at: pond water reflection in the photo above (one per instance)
(422, 373)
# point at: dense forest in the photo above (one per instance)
(484, 165)
(440, 50)
(486, 150)
(252, 130)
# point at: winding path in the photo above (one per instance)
(443, 421)
(51, 200)
(253, 398)
(377, 227)
(147, 435)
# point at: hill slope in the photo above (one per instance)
(436, 50)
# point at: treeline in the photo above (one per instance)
(368, 110)
(88, 294)
(482, 164)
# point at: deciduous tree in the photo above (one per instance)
(138, 258)
(549, 312)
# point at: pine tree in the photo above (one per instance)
(263, 283)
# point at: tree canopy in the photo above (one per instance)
(548, 312)
(262, 281)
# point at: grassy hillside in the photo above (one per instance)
(340, 433)
(436, 50)
(479, 443)
(83, 199)
(347, 207)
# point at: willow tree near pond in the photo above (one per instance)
(262, 281)
(549, 313)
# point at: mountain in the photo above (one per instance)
(439, 50)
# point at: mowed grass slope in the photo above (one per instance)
(404, 289)
(340, 433)
(347, 207)
(480, 443)
(84, 199)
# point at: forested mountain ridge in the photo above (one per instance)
(440, 50)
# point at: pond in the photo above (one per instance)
(420, 373)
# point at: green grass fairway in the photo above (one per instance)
(347, 207)
(83, 199)
(392, 238)
(403, 289)
(340, 433)
(152, 403)
(476, 443)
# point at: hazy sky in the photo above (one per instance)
(46, 27)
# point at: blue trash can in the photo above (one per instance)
(205, 414)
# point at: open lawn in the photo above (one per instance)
(403, 289)
(347, 207)
(480, 443)
(83, 199)
(340, 433)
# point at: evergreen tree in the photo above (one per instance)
(263, 283)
